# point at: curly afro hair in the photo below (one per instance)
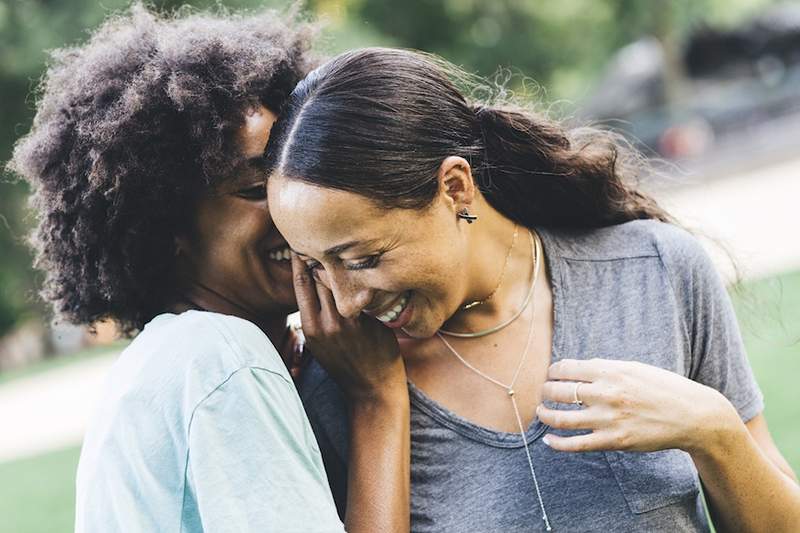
(130, 128)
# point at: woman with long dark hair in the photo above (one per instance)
(574, 361)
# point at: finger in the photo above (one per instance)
(572, 419)
(327, 303)
(579, 369)
(569, 392)
(589, 442)
(305, 293)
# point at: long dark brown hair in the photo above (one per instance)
(379, 122)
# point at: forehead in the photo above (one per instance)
(254, 132)
(314, 218)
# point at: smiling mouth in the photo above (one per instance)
(395, 311)
(280, 254)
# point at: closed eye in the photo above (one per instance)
(256, 192)
(370, 262)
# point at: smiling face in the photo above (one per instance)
(406, 267)
(234, 250)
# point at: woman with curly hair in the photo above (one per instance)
(574, 360)
(146, 162)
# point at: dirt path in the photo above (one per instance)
(50, 411)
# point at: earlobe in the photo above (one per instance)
(456, 183)
(464, 215)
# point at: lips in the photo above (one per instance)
(392, 313)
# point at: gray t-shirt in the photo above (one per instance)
(643, 291)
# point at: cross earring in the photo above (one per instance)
(464, 214)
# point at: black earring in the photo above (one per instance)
(464, 214)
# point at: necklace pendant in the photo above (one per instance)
(511, 392)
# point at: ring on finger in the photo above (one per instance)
(577, 401)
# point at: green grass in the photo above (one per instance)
(769, 313)
(37, 495)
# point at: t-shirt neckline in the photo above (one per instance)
(491, 437)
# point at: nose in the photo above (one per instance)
(350, 297)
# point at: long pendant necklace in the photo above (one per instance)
(535, 249)
(509, 388)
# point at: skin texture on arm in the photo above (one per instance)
(364, 359)
(379, 465)
(632, 406)
(748, 483)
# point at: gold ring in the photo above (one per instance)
(577, 401)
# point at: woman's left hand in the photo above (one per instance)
(632, 406)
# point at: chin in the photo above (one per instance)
(420, 330)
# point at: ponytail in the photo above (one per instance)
(379, 122)
(537, 173)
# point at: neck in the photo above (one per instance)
(489, 242)
(202, 297)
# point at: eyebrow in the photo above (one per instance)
(339, 248)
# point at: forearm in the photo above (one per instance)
(746, 491)
(379, 466)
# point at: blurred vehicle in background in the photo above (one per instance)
(730, 95)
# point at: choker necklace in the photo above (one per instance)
(509, 388)
(502, 273)
(536, 254)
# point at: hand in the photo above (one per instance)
(632, 406)
(360, 353)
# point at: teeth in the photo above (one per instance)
(280, 255)
(392, 314)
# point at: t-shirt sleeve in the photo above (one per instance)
(718, 357)
(253, 462)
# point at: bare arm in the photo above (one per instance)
(748, 483)
(378, 477)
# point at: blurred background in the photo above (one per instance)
(708, 89)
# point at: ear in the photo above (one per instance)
(456, 185)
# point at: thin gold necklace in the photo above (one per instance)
(536, 254)
(502, 273)
(509, 388)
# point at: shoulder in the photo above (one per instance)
(191, 354)
(232, 341)
(638, 238)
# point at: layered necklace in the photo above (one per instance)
(536, 253)
(508, 321)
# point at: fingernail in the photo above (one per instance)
(538, 409)
(546, 439)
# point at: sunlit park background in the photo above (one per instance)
(709, 89)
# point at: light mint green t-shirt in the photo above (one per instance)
(200, 428)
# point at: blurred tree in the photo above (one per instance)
(563, 44)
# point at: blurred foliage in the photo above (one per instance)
(562, 44)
